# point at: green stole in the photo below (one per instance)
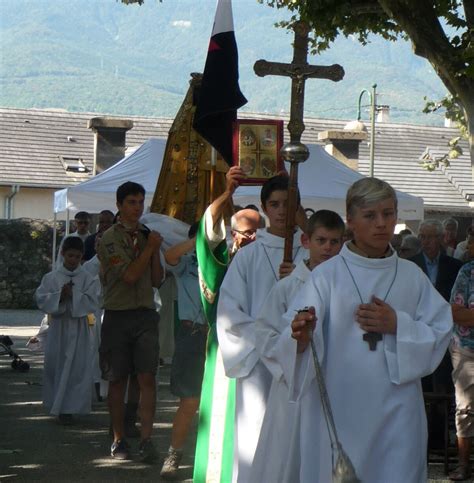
(215, 439)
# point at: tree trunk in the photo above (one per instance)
(469, 114)
(420, 22)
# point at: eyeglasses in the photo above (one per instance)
(246, 233)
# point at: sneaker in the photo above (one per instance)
(120, 450)
(147, 451)
(461, 473)
(171, 464)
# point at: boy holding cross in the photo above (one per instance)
(255, 269)
(379, 326)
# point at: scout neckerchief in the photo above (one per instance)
(133, 232)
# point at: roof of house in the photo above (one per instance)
(33, 140)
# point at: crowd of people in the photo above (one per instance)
(378, 307)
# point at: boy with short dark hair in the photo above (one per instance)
(70, 296)
(255, 269)
(129, 254)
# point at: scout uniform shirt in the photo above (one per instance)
(117, 249)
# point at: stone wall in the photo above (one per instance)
(25, 256)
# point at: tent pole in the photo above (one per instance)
(53, 258)
(67, 222)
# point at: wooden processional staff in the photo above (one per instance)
(295, 152)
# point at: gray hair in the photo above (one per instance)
(450, 221)
(436, 223)
(412, 242)
(368, 191)
(244, 213)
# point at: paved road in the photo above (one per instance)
(34, 447)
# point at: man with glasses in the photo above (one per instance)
(442, 270)
(243, 228)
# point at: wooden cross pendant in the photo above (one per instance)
(372, 338)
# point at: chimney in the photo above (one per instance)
(449, 122)
(109, 141)
(343, 144)
(383, 114)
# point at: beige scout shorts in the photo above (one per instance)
(463, 379)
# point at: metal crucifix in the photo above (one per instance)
(295, 152)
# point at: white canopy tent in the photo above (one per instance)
(323, 184)
(98, 193)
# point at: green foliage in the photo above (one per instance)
(441, 31)
(453, 111)
(329, 19)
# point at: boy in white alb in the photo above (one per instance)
(378, 326)
(70, 295)
(323, 239)
(254, 270)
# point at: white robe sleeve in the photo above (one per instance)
(85, 296)
(273, 338)
(47, 295)
(235, 325)
(422, 340)
(215, 234)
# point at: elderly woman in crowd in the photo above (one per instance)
(462, 353)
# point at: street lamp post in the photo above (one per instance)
(372, 99)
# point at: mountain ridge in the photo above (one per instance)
(103, 56)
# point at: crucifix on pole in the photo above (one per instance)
(296, 152)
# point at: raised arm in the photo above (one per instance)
(218, 206)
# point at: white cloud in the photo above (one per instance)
(185, 24)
